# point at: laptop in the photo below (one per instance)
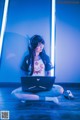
(37, 83)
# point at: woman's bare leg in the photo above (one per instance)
(19, 94)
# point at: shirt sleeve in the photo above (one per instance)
(48, 65)
(25, 64)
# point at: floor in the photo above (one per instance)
(41, 110)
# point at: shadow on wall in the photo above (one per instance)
(14, 48)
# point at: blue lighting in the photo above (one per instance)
(3, 24)
(53, 35)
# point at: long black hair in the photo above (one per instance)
(34, 40)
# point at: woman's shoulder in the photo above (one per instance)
(46, 57)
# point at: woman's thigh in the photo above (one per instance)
(21, 95)
(56, 90)
(20, 91)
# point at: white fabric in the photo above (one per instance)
(39, 68)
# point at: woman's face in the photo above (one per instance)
(39, 48)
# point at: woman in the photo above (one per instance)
(37, 63)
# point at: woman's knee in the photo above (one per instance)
(59, 89)
(15, 93)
